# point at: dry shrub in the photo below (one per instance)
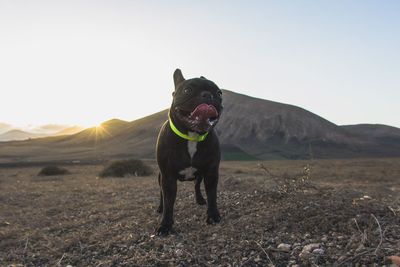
(287, 184)
(53, 170)
(123, 168)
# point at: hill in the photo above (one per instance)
(69, 131)
(17, 135)
(250, 128)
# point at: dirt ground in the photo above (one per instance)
(333, 213)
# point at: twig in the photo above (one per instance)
(354, 257)
(26, 244)
(265, 253)
(380, 232)
(358, 227)
(266, 170)
(62, 257)
(246, 261)
(392, 210)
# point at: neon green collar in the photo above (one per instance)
(198, 138)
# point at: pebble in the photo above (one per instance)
(318, 251)
(296, 244)
(179, 252)
(310, 247)
(284, 247)
(214, 257)
(304, 255)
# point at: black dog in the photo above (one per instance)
(188, 148)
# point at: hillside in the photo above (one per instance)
(17, 135)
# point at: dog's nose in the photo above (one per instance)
(206, 95)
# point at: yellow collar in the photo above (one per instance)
(185, 136)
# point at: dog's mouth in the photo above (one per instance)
(201, 119)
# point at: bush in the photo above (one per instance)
(53, 170)
(122, 168)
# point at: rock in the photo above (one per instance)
(296, 244)
(324, 238)
(284, 247)
(214, 257)
(318, 251)
(304, 255)
(179, 252)
(310, 247)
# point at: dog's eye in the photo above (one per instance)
(220, 93)
(187, 90)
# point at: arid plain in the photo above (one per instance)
(281, 213)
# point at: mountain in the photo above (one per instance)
(383, 135)
(250, 128)
(17, 135)
(4, 127)
(69, 131)
(373, 131)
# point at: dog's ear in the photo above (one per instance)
(202, 77)
(178, 77)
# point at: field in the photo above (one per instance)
(334, 212)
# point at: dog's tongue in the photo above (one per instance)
(203, 112)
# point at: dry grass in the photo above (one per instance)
(123, 168)
(353, 213)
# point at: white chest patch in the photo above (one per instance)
(188, 173)
(192, 148)
(192, 145)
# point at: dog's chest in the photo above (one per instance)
(188, 173)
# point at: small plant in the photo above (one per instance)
(122, 168)
(287, 184)
(53, 170)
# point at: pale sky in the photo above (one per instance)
(84, 62)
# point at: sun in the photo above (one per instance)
(99, 133)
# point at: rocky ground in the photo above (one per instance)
(333, 213)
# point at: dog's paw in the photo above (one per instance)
(163, 230)
(160, 209)
(213, 216)
(201, 201)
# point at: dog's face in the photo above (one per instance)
(197, 103)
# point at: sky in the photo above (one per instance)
(84, 62)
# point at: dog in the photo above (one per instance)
(188, 147)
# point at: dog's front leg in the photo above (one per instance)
(199, 197)
(168, 185)
(211, 183)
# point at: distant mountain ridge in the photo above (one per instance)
(250, 128)
(18, 135)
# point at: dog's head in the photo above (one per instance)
(197, 103)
